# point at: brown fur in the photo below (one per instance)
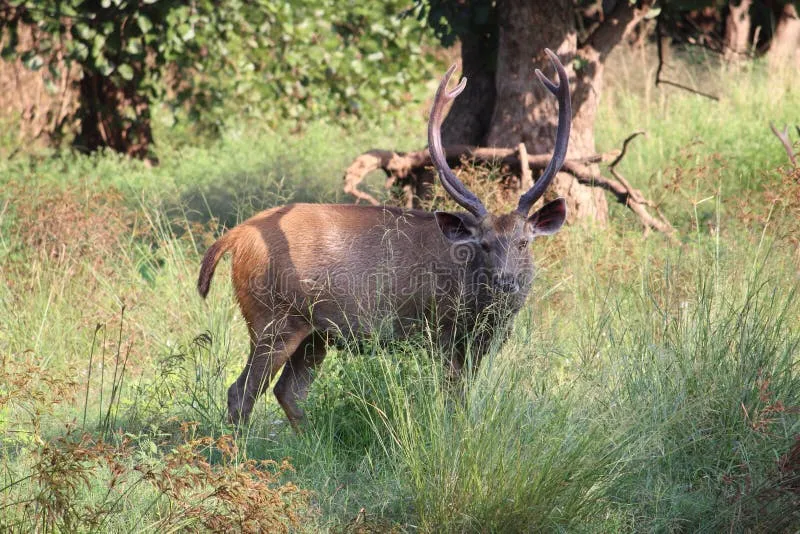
(209, 264)
(305, 274)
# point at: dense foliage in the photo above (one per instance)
(305, 60)
(276, 61)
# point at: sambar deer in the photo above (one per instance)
(305, 274)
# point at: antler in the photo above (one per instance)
(450, 181)
(560, 91)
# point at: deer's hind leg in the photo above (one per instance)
(297, 375)
(272, 343)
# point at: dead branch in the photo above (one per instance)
(786, 142)
(636, 201)
(660, 80)
(627, 140)
(630, 197)
(634, 193)
(404, 166)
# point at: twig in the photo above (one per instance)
(659, 80)
(636, 201)
(754, 45)
(627, 140)
(89, 374)
(625, 195)
(787, 143)
(689, 89)
(636, 194)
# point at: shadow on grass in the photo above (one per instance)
(230, 199)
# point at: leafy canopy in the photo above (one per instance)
(275, 60)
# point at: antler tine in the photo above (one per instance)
(450, 181)
(560, 91)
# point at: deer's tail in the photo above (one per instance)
(212, 256)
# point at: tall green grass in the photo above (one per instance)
(678, 419)
(645, 386)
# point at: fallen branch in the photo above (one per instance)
(636, 200)
(403, 165)
(408, 165)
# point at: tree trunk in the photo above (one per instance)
(470, 117)
(518, 107)
(784, 49)
(506, 107)
(114, 117)
(525, 112)
(737, 31)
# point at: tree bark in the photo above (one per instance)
(526, 112)
(470, 116)
(737, 31)
(113, 116)
(784, 49)
(504, 104)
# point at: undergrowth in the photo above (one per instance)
(645, 387)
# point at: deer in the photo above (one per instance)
(307, 275)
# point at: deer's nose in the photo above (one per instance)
(506, 283)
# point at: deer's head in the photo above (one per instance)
(499, 242)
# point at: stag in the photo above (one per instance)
(307, 275)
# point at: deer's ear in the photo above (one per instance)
(548, 219)
(455, 226)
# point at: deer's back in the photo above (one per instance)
(345, 267)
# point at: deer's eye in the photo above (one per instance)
(523, 244)
(485, 246)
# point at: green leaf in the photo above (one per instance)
(10, 49)
(144, 23)
(126, 71)
(55, 74)
(188, 35)
(83, 31)
(134, 46)
(105, 69)
(98, 43)
(80, 51)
